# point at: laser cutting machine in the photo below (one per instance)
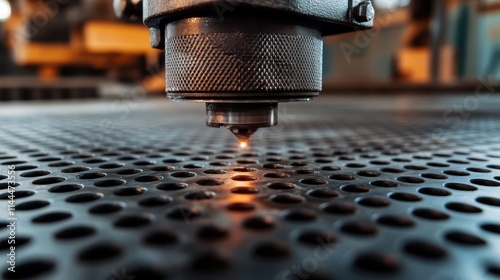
(243, 57)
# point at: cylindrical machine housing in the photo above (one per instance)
(242, 58)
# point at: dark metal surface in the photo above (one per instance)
(374, 188)
(336, 15)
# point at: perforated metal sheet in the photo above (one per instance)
(360, 188)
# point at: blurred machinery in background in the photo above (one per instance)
(419, 42)
(432, 44)
(80, 39)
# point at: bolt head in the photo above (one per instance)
(155, 38)
(364, 12)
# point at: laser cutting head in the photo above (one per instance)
(243, 57)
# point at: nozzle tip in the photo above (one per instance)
(243, 134)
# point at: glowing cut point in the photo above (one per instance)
(243, 145)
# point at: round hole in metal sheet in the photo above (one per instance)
(37, 173)
(323, 193)
(491, 227)
(245, 190)
(91, 175)
(464, 238)
(61, 164)
(359, 228)
(313, 181)
(75, 169)
(456, 173)
(144, 162)
(406, 197)
(415, 167)
(109, 183)
(245, 169)
(210, 182)
(259, 223)
(287, 198)
(316, 238)
(356, 188)
(244, 178)
(384, 184)
(395, 221)
(434, 176)
(161, 238)
(434, 191)
(215, 171)
(133, 221)
(193, 166)
(240, 207)
(32, 205)
(200, 195)
(339, 208)
(273, 166)
(492, 201)
(330, 168)
(52, 217)
(430, 214)
(101, 251)
(183, 174)
(410, 180)
(276, 175)
(460, 187)
(49, 181)
(129, 191)
(84, 197)
(75, 232)
(342, 177)
(65, 188)
(486, 183)
(212, 232)
(493, 270)
(129, 171)
(148, 178)
(106, 208)
(162, 168)
(25, 167)
(210, 262)
(17, 195)
(424, 249)
(155, 201)
(272, 249)
(392, 170)
(111, 165)
(171, 186)
(184, 213)
(380, 263)
(299, 215)
(462, 207)
(373, 202)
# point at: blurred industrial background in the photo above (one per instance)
(77, 49)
